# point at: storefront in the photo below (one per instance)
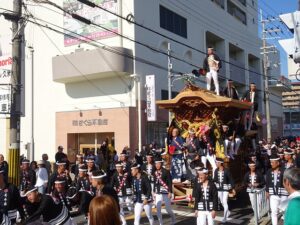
(80, 131)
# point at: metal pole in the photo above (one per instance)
(14, 146)
(255, 208)
(32, 102)
(169, 79)
(267, 94)
(138, 79)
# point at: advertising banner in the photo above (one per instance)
(96, 15)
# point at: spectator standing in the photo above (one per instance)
(104, 210)
(47, 164)
(4, 167)
(291, 182)
(60, 155)
(41, 177)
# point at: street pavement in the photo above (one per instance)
(241, 213)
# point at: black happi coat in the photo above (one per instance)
(52, 211)
(54, 176)
(27, 178)
(208, 201)
(126, 180)
(10, 201)
(162, 181)
(149, 170)
(223, 181)
(278, 188)
(142, 189)
(258, 178)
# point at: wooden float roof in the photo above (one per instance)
(193, 96)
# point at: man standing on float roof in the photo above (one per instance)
(212, 64)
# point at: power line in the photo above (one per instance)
(149, 29)
(46, 26)
(131, 39)
(183, 60)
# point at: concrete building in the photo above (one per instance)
(85, 94)
(291, 105)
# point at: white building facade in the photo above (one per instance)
(85, 94)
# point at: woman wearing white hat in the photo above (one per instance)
(41, 177)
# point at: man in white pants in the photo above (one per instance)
(142, 195)
(206, 199)
(163, 190)
(224, 183)
(122, 183)
(207, 153)
(274, 187)
(211, 65)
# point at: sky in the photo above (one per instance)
(275, 8)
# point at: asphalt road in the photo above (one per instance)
(241, 213)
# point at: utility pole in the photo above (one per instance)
(15, 112)
(32, 104)
(266, 51)
(169, 78)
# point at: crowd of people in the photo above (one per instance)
(145, 180)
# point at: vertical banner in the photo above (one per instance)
(151, 105)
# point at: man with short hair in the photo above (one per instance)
(274, 187)
(51, 209)
(84, 187)
(142, 195)
(60, 156)
(176, 148)
(230, 91)
(224, 183)
(163, 190)
(288, 157)
(61, 172)
(27, 175)
(291, 182)
(212, 64)
(206, 199)
(122, 183)
(251, 96)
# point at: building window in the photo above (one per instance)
(165, 94)
(220, 3)
(236, 12)
(243, 2)
(157, 132)
(172, 22)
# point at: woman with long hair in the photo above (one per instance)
(104, 210)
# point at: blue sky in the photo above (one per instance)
(275, 8)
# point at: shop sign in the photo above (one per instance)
(5, 75)
(89, 122)
(150, 93)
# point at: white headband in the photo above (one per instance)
(32, 190)
(99, 177)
